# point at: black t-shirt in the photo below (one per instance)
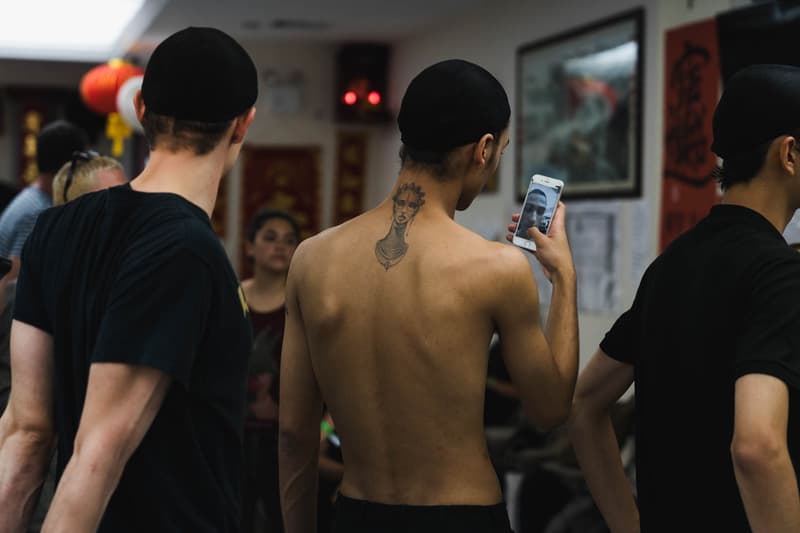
(141, 279)
(721, 302)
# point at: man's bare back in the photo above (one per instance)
(389, 321)
(401, 356)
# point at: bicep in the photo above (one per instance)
(31, 402)
(300, 401)
(603, 381)
(761, 408)
(121, 403)
(526, 351)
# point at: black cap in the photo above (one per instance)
(200, 74)
(450, 104)
(759, 103)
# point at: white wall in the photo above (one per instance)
(490, 37)
(311, 125)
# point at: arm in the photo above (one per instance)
(8, 278)
(300, 414)
(26, 427)
(543, 366)
(121, 402)
(600, 385)
(761, 461)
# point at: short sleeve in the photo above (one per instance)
(156, 314)
(29, 304)
(619, 342)
(768, 341)
(622, 341)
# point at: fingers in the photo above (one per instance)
(515, 217)
(558, 218)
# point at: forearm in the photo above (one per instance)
(89, 480)
(598, 453)
(330, 469)
(562, 327)
(770, 494)
(299, 471)
(24, 456)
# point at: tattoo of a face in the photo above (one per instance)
(408, 199)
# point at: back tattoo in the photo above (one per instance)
(408, 200)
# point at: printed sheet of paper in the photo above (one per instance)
(595, 236)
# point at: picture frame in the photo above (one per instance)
(579, 109)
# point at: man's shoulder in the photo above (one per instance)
(25, 206)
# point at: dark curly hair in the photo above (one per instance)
(263, 215)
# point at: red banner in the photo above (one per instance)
(692, 76)
(281, 178)
(351, 155)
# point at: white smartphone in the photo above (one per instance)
(538, 208)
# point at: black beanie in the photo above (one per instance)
(450, 104)
(200, 74)
(758, 104)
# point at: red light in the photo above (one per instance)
(350, 98)
(374, 98)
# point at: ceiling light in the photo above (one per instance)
(78, 30)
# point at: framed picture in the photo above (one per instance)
(579, 102)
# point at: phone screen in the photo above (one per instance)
(5, 266)
(540, 204)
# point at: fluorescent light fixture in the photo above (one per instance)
(76, 30)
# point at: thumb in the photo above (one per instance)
(536, 236)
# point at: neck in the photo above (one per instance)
(268, 281)
(763, 197)
(441, 195)
(44, 182)
(193, 177)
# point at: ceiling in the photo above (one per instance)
(315, 20)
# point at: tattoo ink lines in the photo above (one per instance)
(408, 199)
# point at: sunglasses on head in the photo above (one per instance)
(77, 157)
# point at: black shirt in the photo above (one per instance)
(141, 279)
(722, 301)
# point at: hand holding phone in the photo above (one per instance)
(538, 209)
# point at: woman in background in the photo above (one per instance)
(271, 241)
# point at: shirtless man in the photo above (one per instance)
(389, 318)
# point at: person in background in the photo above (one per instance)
(55, 144)
(712, 344)
(272, 238)
(86, 172)
(131, 334)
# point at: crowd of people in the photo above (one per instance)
(347, 384)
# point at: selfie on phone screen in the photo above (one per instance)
(540, 205)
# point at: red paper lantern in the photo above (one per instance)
(99, 86)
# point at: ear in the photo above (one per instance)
(138, 103)
(483, 150)
(241, 124)
(248, 249)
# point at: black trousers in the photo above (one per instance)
(359, 516)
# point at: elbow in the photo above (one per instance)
(756, 454)
(584, 416)
(103, 451)
(552, 415)
(295, 438)
(35, 438)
